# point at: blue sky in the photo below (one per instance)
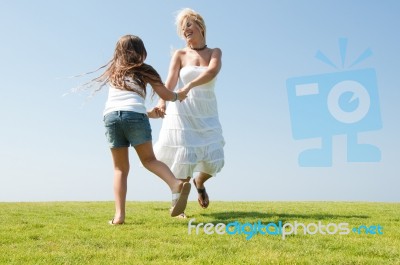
(53, 147)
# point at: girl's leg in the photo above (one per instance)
(150, 162)
(121, 169)
(180, 189)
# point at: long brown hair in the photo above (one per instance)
(128, 62)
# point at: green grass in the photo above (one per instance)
(78, 233)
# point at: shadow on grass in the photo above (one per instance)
(223, 217)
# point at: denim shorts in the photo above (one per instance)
(125, 128)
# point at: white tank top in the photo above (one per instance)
(124, 100)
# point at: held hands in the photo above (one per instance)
(181, 95)
(183, 92)
(154, 113)
(159, 110)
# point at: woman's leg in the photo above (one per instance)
(121, 169)
(199, 183)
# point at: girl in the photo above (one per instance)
(127, 121)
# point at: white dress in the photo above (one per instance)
(191, 138)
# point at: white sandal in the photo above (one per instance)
(179, 200)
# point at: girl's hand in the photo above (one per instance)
(182, 93)
(153, 113)
(160, 108)
(161, 105)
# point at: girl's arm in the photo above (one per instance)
(167, 94)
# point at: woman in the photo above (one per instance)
(127, 121)
(191, 135)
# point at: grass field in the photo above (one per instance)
(78, 233)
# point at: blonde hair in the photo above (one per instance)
(189, 14)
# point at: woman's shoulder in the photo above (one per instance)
(216, 50)
(177, 55)
(186, 49)
(215, 53)
(180, 52)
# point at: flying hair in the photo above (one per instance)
(126, 70)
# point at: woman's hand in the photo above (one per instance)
(182, 93)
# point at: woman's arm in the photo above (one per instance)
(166, 92)
(172, 80)
(173, 72)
